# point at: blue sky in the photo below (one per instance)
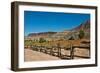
(35, 22)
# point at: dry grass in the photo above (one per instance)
(62, 43)
(31, 55)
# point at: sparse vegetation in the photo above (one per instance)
(81, 34)
(28, 42)
(41, 40)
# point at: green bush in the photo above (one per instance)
(41, 40)
(81, 34)
(28, 42)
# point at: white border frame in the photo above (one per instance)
(23, 64)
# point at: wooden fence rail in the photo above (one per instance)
(57, 50)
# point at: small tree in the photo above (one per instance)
(41, 40)
(81, 34)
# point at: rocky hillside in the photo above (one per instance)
(84, 26)
(66, 34)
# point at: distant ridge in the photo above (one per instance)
(66, 33)
(41, 33)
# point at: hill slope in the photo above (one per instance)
(66, 34)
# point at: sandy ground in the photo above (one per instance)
(31, 55)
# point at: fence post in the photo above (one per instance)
(51, 50)
(71, 52)
(59, 52)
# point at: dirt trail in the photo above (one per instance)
(31, 55)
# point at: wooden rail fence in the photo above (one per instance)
(57, 51)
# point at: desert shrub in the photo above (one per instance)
(41, 40)
(81, 34)
(28, 42)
